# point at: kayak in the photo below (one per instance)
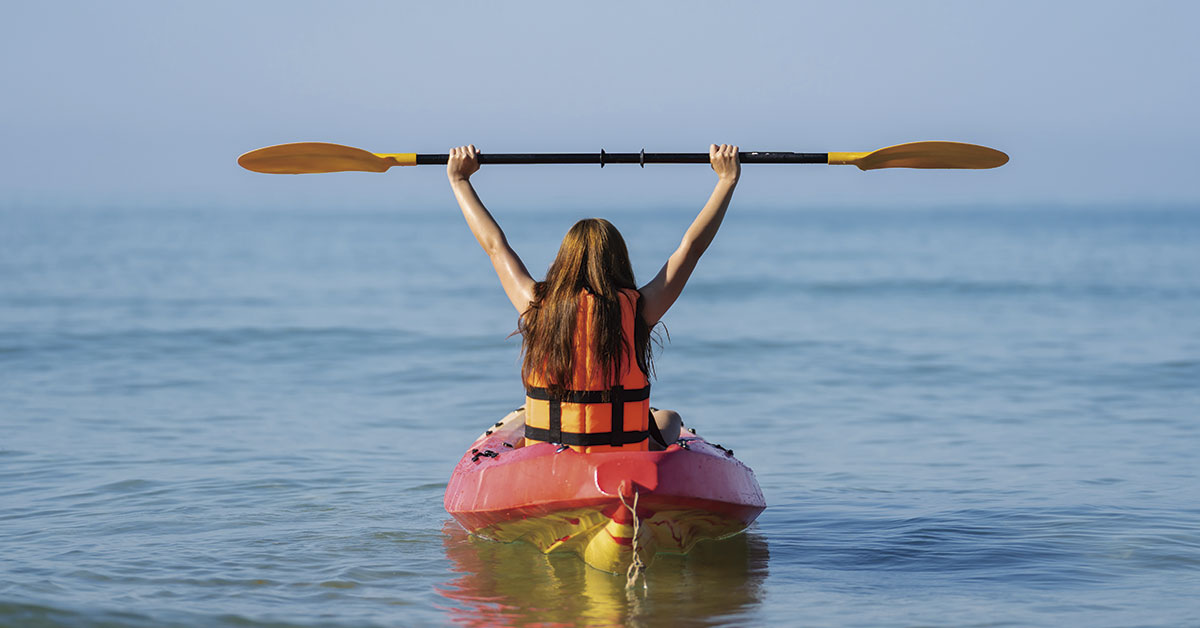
(606, 507)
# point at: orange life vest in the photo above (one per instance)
(584, 417)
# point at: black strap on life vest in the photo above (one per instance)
(617, 416)
(618, 396)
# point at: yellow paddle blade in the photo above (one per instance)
(924, 155)
(314, 157)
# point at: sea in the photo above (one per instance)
(959, 416)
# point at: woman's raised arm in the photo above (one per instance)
(665, 288)
(518, 284)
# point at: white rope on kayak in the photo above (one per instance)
(636, 566)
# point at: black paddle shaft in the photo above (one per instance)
(641, 158)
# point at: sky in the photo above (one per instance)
(148, 104)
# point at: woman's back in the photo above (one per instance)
(594, 406)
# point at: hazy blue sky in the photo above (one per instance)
(150, 103)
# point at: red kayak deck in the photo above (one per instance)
(561, 500)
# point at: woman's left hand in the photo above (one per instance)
(463, 162)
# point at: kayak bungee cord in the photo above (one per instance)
(318, 157)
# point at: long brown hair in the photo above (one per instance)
(592, 257)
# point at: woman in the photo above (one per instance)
(586, 328)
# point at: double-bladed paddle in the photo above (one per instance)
(314, 157)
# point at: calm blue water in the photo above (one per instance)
(243, 418)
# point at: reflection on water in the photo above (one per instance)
(513, 584)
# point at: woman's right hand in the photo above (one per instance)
(463, 162)
(724, 160)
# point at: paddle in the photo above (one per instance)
(314, 157)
